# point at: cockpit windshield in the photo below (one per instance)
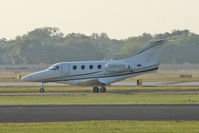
(54, 67)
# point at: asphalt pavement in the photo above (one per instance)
(122, 83)
(60, 113)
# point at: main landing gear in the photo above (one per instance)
(102, 89)
(42, 90)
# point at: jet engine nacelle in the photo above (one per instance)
(117, 67)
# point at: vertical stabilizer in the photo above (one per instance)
(150, 52)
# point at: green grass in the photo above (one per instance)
(50, 89)
(103, 127)
(10, 79)
(169, 76)
(35, 89)
(98, 99)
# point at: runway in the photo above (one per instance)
(57, 113)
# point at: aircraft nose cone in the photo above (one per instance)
(27, 78)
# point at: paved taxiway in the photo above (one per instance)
(123, 83)
(108, 93)
(54, 113)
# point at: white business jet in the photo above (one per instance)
(101, 73)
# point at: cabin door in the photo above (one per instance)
(65, 69)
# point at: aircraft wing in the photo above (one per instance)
(86, 82)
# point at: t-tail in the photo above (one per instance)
(149, 54)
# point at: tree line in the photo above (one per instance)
(48, 45)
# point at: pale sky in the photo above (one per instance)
(118, 18)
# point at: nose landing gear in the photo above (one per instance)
(42, 90)
(102, 89)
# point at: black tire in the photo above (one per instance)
(95, 89)
(103, 89)
(42, 90)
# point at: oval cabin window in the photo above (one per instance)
(91, 66)
(74, 67)
(82, 67)
(99, 66)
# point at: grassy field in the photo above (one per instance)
(98, 99)
(51, 89)
(168, 75)
(107, 98)
(103, 127)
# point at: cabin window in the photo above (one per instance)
(82, 67)
(139, 65)
(99, 66)
(91, 66)
(74, 67)
(56, 67)
(51, 68)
